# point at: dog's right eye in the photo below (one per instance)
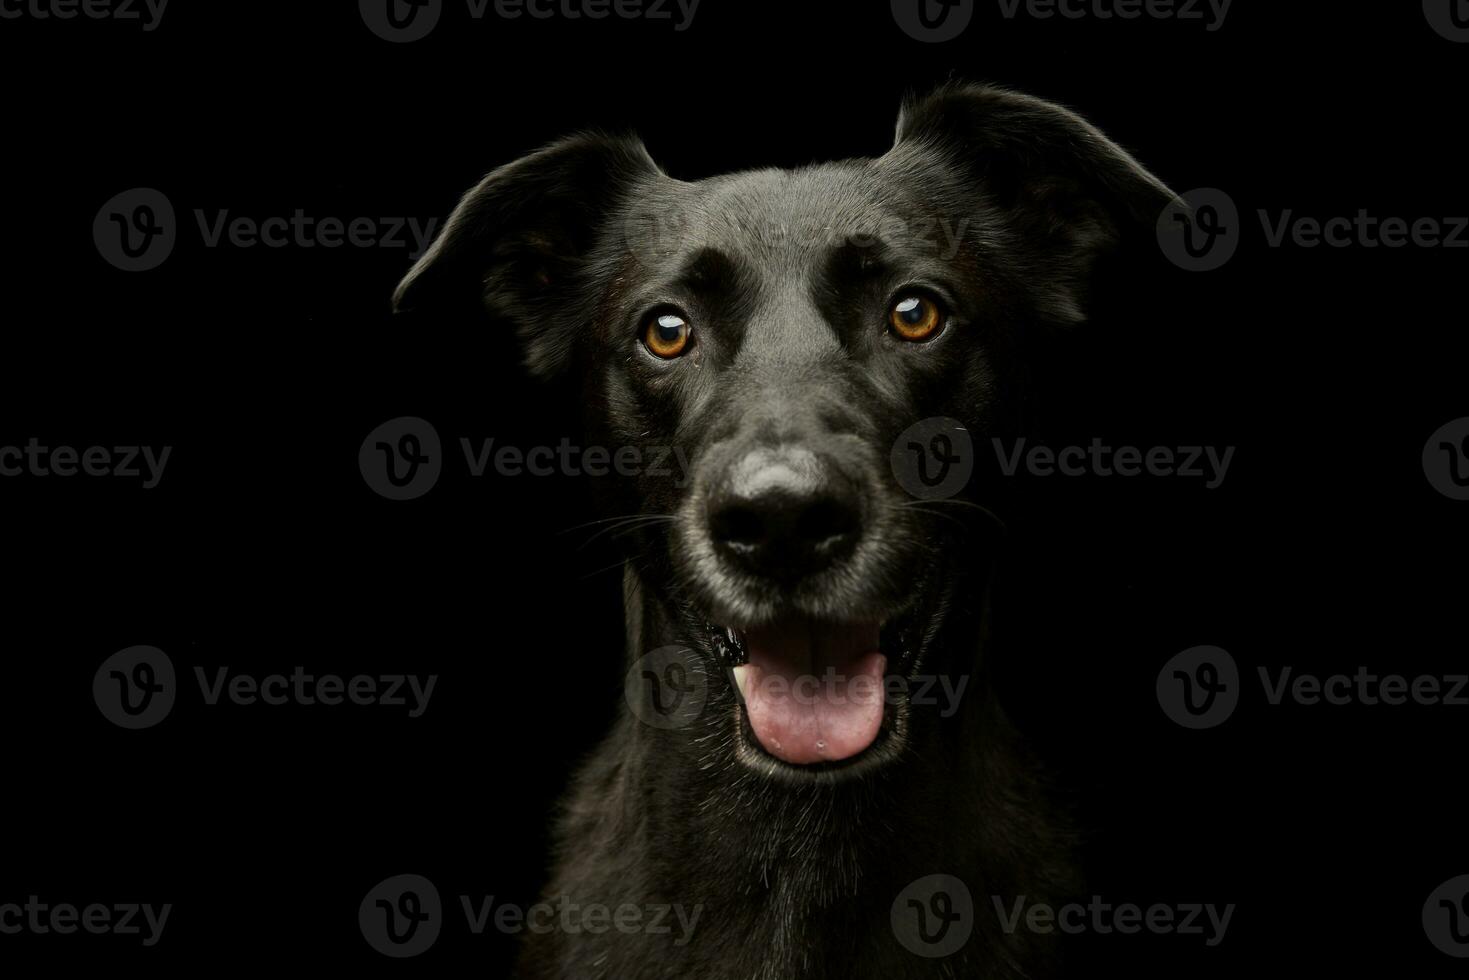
(667, 333)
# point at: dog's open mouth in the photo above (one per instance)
(816, 692)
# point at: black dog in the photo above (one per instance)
(785, 327)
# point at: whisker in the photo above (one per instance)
(628, 524)
(925, 505)
(607, 568)
(609, 520)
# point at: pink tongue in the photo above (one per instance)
(813, 691)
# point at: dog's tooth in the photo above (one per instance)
(742, 675)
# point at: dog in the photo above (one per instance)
(786, 328)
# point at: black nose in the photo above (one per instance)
(784, 513)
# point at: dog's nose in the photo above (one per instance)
(784, 513)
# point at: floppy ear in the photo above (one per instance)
(1068, 192)
(520, 245)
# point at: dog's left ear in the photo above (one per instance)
(1069, 192)
(520, 244)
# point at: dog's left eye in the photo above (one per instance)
(667, 333)
(915, 316)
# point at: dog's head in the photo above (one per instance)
(782, 329)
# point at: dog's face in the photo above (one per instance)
(783, 329)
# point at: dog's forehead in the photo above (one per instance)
(787, 218)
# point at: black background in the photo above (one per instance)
(263, 549)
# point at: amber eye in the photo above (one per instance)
(915, 316)
(667, 334)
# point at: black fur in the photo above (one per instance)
(786, 276)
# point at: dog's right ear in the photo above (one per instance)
(518, 245)
(1070, 193)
